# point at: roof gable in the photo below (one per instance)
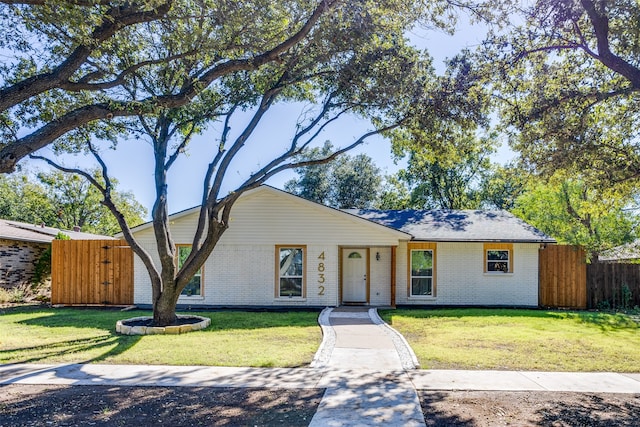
(274, 192)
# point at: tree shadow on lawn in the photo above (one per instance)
(606, 321)
(83, 317)
(104, 321)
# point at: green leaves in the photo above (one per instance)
(63, 201)
(573, 212)
(348, 182)
(569, 88)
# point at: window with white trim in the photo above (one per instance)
(194, 287)
(421, 280)
(290, 271)
(498, 261)
(498, 258)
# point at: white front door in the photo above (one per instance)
(354, 275)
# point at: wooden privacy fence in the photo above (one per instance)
(563, 277)
(613, 285)
(91, 272)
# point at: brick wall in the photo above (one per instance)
(17, 261)
(461, 280)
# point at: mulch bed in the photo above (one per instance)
(148, 321)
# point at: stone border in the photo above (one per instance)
(161, 330)
(407, 356)
(322, 356)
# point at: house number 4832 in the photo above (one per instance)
(321, 274)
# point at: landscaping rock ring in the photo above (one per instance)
(143, 325)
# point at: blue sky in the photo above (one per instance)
(132, 162)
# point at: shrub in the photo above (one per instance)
(14, 295)
(42, 267)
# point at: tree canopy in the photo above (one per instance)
(450, 181)
(63, 201)
(572, 212)
(166, 78)
(570, 79)
(71, 84)
(347, 182)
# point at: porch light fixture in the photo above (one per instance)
(377, 256)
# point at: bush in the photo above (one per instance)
(42, 267)
(14, 295)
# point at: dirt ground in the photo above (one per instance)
(34, 405)
(483, 408)
(52, 406)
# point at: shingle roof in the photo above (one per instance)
(626, 252)
(23, 232)
(456, 225)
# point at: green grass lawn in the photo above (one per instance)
(520, 339)
(74, 335)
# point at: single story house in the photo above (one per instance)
(22, 244)
(281, 250)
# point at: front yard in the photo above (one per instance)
(442, 339)
(73, 335)
(520, 339)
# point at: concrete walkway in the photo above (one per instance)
(365, 366)
(366, 382)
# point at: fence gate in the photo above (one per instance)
(91, 272)
(563, 277)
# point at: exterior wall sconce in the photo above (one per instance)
(377, 256)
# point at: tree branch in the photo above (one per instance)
(12, 152)
(116, 19)
(145, 257)
(600, 23)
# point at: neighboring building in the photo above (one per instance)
(281, 250)
(21, 245)
(628, 253)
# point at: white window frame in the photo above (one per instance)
(432, 276)
(498, 247)
(303, 277)
(199, 274)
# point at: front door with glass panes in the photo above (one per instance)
(354, 275)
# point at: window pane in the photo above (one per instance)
(290, 262)
(498, 266)
(421, 286)
(355, 255)
(193, 288)
(422, 263)
(290, 287)
(497, 255)
(183, 253)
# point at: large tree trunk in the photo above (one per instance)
(164, 308)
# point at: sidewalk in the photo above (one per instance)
(365, 366)
(207, 376)
(366, 379)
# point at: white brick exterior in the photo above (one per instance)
(461, 280)
(241, 270)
